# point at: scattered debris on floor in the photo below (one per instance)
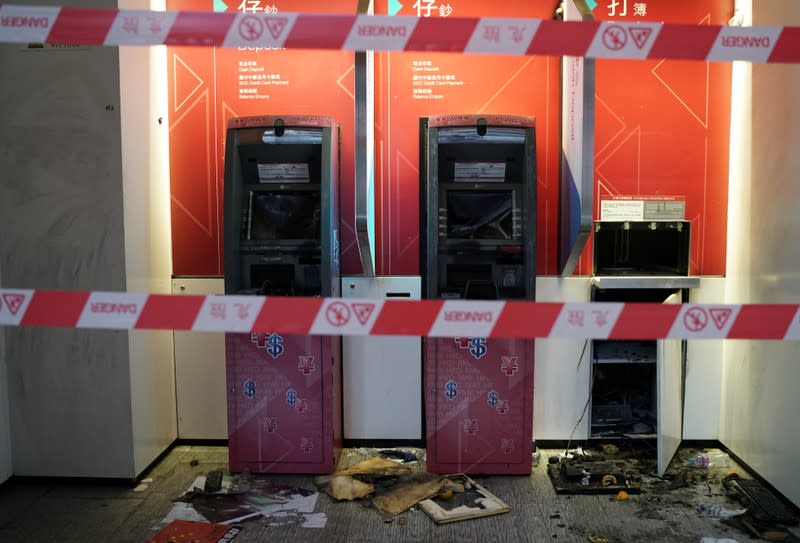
(315, 520)
(143, 485)
(305, 520)
(393, 487)
(358, 481)
(393, 482)
(581, 471)
(704, 480)
(717, 511)
(196, 532)
(243, 497)
(463, 499)
(399, 454)
(408, 492)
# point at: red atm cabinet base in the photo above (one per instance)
(283, 403)
(479, 405)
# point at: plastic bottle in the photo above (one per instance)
(700, 461)
(710, 460)
(718, 460)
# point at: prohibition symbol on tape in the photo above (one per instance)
(338, 314)
(695, 319)
(363, 311)
(720, 316)
(640, 35)
(615, 37)
(13, 301)
(251, 28)
(275, 25)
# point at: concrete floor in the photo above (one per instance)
(50, 511)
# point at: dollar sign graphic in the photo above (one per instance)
(478, 348)
(275, 348)
(249, 388)
(291, 396)
(492, 398)
(451, 390)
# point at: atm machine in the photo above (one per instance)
(281, 238)
(478, 233)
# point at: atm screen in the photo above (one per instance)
(480, 214)
(284, 215)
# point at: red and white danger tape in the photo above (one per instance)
(362, 317)
(91, 26)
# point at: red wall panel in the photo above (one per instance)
(206, 87)
(467, 84)
(662, 128)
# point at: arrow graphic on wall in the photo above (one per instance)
(394, 7)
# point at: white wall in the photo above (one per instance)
(148, 260)
(61, 227)
(84, 208)
(760, 399)
(200, 385)
(5, 423)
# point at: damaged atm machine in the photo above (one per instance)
(478, 231)
(281, 238)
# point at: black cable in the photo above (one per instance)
(588, 295)
(588, 400)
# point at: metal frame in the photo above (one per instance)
(579, 159)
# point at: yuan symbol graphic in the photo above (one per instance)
(305, 364)
(271, 424)
(502, 407)
(509, 365)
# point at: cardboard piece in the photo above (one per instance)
(407, 494)
(357, 480)
(344, 487)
